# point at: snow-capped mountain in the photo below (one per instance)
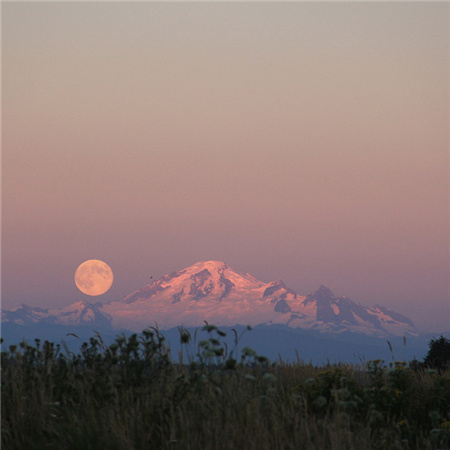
(78, 313)
(210, 291)
(213, 291)
(337, 314)
(24, 315)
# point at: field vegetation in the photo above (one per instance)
(131, 395)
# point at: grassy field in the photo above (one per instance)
(130, 395)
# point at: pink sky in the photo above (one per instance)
(302, 141)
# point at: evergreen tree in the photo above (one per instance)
(438, 356)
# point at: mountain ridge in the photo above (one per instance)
(214, 291)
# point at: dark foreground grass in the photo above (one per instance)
(130, 395)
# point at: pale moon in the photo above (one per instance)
(93, 277)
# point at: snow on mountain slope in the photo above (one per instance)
(78, 313)
(24, 315)
(340, 314)
(210, 291)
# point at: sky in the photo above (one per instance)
(307, 142)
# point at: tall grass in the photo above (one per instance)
(130, 395)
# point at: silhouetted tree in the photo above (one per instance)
(438, 356)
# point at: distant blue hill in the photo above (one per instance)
(273, 341)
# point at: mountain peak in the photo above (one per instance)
(212, 264)
(205, 281)
(323, 294)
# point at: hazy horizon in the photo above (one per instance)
(306, 142)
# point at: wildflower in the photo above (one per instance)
(269, 376)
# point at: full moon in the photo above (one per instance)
(93, 277)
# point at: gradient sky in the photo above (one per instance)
(301, 141)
